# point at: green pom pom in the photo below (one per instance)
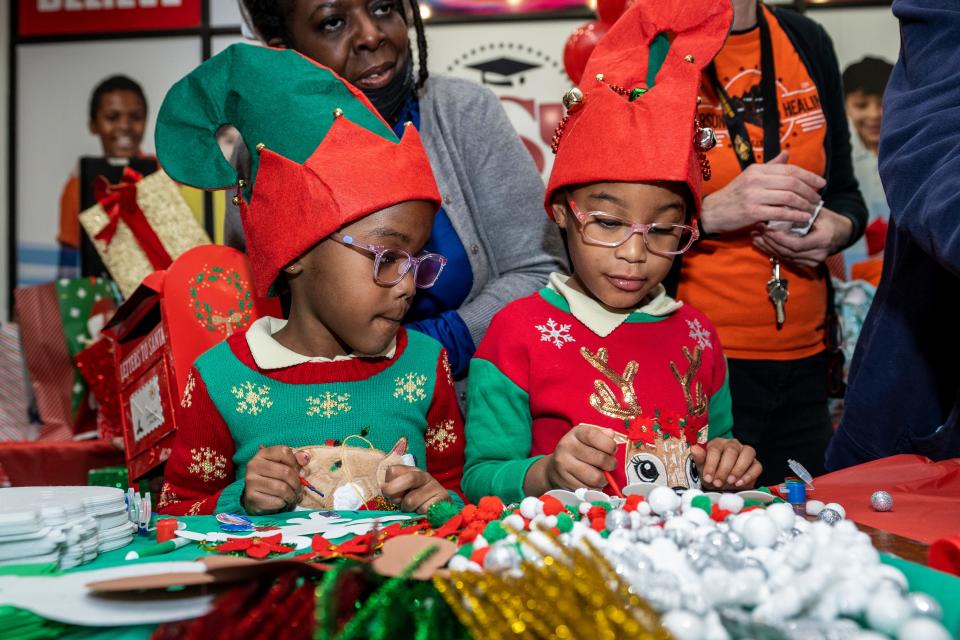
(600, 503)
(752, 503)
(702, 502)
(574, 512)
(564, 522)
(494, 531)
(777, 499)
(604, 534)
(440, 512)
(764, 489)
(466, 550)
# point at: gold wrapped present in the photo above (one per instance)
(139, 226)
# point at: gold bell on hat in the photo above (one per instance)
(573, 99)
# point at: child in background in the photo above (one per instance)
(118, 116)
(601, 379)
(338, 214)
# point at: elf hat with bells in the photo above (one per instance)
(634, 117)
(324, 156)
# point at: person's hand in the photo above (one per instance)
(272, 480)
(726, 464)
(412, 489)
(828, 235)
(774, 190)
(581, 457)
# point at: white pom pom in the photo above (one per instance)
(514, 521)
(697, 516)
(814, 507)
(730, 502)
(687, 496)
(644, 508)
(782, 515)
(663, 499)
(584, 508)
(459, 563)
(529, 507)
(480, 542)
(348, 497)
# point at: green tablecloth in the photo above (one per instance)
(945, 588)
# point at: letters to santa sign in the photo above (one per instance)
(70, 17)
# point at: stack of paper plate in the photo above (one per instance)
(69, 525)
(109, 509)
(25, 540)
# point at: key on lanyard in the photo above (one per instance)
(777, 291)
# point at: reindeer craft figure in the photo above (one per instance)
(658, 444)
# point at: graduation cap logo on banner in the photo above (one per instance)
(499, 72)
(324, 155)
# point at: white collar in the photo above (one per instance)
(270, 354)
(601, 320)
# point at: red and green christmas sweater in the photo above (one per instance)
(231, 407)
(655, 375)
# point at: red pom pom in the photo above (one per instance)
(632, 502)
(718, 514)
(472, 531)
(478, 555)
(469, 513)
(489, 508)
(751, 508)
(551, 506)
(596, 512)
(598, 524)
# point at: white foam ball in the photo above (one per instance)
(584, 508)
(760, 530)
(887, 611)
(836, 506)
(529, 507)
(730, 502)
(698, 517)
(683, 625)
(782, 515)
(663, 499)
(514, 521)
(644, 508)
(922, 628)
(814, 507)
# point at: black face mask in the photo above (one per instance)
(389, 100)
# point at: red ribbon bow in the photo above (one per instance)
(119, 201)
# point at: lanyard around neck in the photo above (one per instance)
(768, 90)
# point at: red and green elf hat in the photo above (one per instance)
(634, 119)
(324, 156)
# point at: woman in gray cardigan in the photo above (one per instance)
(491, 227)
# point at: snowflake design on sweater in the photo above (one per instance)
(329, 405)
(187, 399)
(252, 399)
(167, 496)
(410, 387)
(208, 464)
(558, 334)
(700, 334)
(446, 366)
(440, 436)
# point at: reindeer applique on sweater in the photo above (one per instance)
(659, 382)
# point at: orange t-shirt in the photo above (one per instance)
(727, 278)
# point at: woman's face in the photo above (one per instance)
(364, 41)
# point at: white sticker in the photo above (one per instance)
(146, 409)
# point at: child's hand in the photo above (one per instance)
(413, 489)
(273, 480)
(581, 457)
(726, 464)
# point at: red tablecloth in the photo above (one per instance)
(56, 462)
(926, 495)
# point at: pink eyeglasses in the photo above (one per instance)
(391, 265)
(604, 229)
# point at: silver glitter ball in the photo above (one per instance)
(925, 605)
(648, 534)
(830, 516)
(881, 501)
(736, 541)
(501, 558)
(715, 542)
(617, 519)
(679, 537)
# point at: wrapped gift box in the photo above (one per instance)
(175, 315)
(141, 225)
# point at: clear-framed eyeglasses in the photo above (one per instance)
(607, 230)
(391, 265)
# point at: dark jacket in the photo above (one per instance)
(905, 374)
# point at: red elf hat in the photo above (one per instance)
(324, 155)
(635, 117)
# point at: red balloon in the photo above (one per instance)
(609, 10)
(579, 47)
